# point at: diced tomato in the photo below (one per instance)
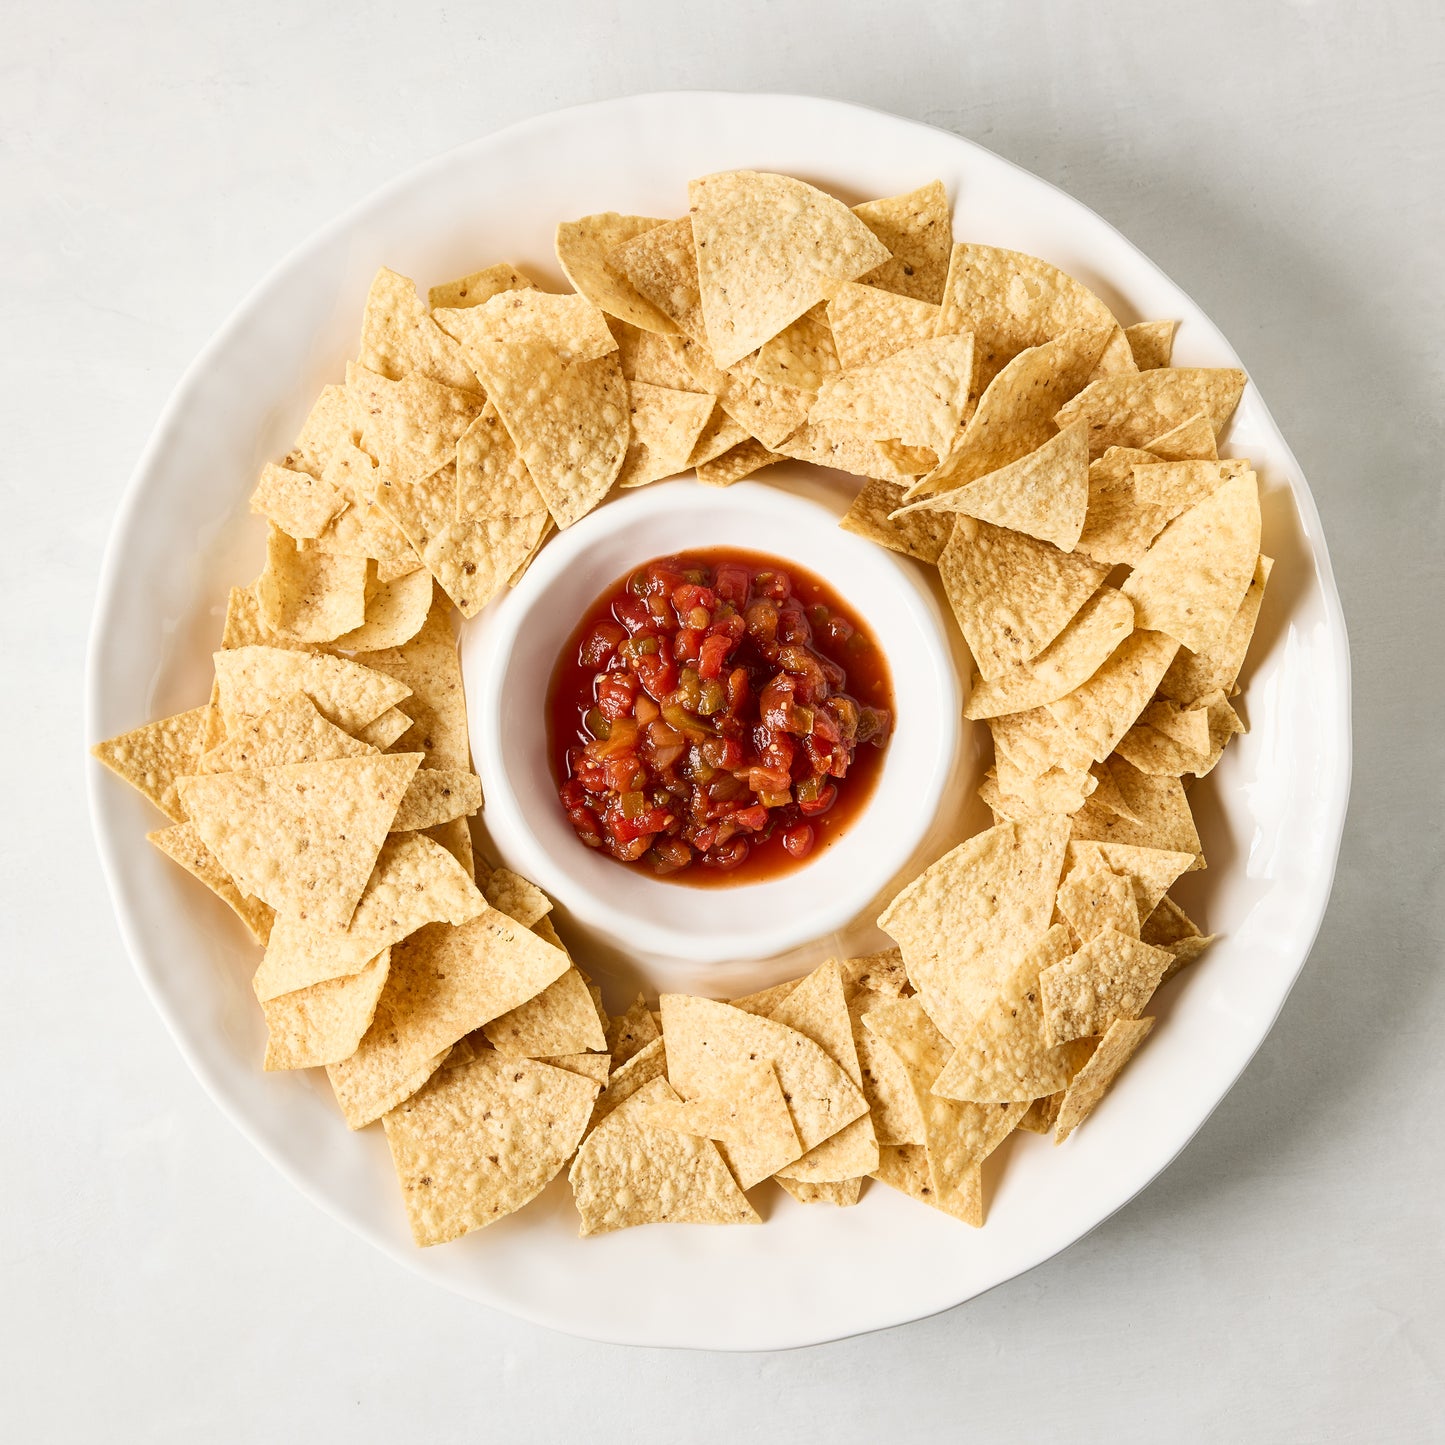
(732, 582)
(600, 644)
(657, 674)
(714, 653)
(616, 692)
(799, 841)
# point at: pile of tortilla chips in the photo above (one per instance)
(1101, 559)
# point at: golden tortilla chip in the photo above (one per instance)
(1189, 727)
(893, 1107)
(705, 1038)
(395, 612)
(661, 265)
(323, 1024)
(570, 326)
(1194, 676)
(1012, 302)
(963, 923)
(918, 229)
(410, 426)
(1192, 440)
(582, 247)
(311, 595)
(1012, 595)
(826, 446)
(665, 427)
(152, 758)
(642, 1068)
(1118, 526)
(478, 288)
(720, 434)
(650, 358)
(630, 1172)
(1177, 486)
(1116, 358)
(291, 732)
(1169, 926)
(244, 628)
(1092, 900)
(1093, 1081)
(844, 1192)
(382, 732)
(1074, 656)
(445, 982)
(1158, 814)
(298, 503)
(907, 1170)
(1016, 414)
(874, 515)
(1126, 411)
(631, 1032)
(1042, 1114)
(1098, 713)
(399, 337)
(482, 1138)
(437, 795)
(1015, 797)
(559, 1020)
(738, 462)
(1005, 1057)
(1045, 494)
(766, 1000)
(302, 838)
(1151, 870)
(768, 412)
(918, 395)
(1033, 742)
(1192, 580)
(430, 674)
(769, 247)
(328, 425)
(253, 680)
(415, 882)
(182, 844)
(1111, 976)
(801, 355)
(363, 529)
(513, 895)
(1151, 343)
(869, 324)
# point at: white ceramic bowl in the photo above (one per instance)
(681, 931)
(1270, 815)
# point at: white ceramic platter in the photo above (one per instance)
(1270, 815)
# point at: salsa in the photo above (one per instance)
(717, 716)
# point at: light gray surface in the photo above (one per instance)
(1285, 1278)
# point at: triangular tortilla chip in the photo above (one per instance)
(1097, 713)
(1177, 486)
(571, 326)
(515, 896)
(1192, 580)
(665, 427)
(1111, 976)
(736, 463)
(1158, 813)
(892, 1104)
(153, 757)
(323, 1024)
(298, 503)
(630, 1172)
(435, 796)
(182, 844)
(1126, 411)
(917, 228)
(631, 1032)
(1033, 742)
(1192, 440)
(582, 247)
(1092, 1082)
(963, 923)
(1005, 1058)
(869, 324)
(559, 1020)
(1169, 926)
(642, 1068)
(328, 425)
(661, 265)
(1118, 526)
(410, 426)
(874, 515)
(1074, 656)
(310, 595)
(768, 412)
(253, 680)
(769, 247)
(382, 732)
(1012, 594)
(1194, 676)
(801, 355)
(1151, 343)
(291, 732)
(844, 1192)
(485, 1136)
(398, 336)
(1152, 870)
(477, 288)
(1093, 899)
(444, 983)
(430, 676)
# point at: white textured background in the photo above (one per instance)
(1285, 1279)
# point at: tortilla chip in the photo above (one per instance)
(1092, 900)
(1018, 798)
(733, 465)
(1074, 656)
(1126, 411)
(445, 981)
(254, 679)
(415, 882)
(801, 355)
(826, 446)
(747, 1118)
(629, 1172)
(478, 288)
(766, 1000)
(665, 427)
(1118, 526)
(152, 758)
(768, 412)
(881, 973)
(1045, 494)
(1111, 976)
(705, 1039)
(323, 1024)
(1033, 742)
(1194, 676)
(1169, 926)
(1192, 440)
(582, 247)
(328, 425)
(1012, 595)
(1015, 415)
(382, 732)
(661, 265)
(1005, 1057)
(893, 1107)
(1192, 580)
(959, 1136)
(918, 395)
(182, 844)
(918, 229)
(1012, 302)
(720, 434)
(437, 795)
(363, 529)
(642, 1068)
(298, 503)
(1093, 1080)
(1177, 486)
(963, 923)
(1159, 815)
(1189, 727)
(844, 1192)
(1151, 870)
(398, 337)
(1151, 343)
(869, 324)
(430, 674)
(629, 1033)
(650, 358)
(482, 1138)
(513, 895)
(1042, 1114)
(243, 626)
(291, 732)
(559, 1020)
(818, 1009)
(571, 326)
(410, 426)
(1100, 711)
(1116, 359)
(311, 595)
(769, 247)
(302, 838)
(394, 612)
